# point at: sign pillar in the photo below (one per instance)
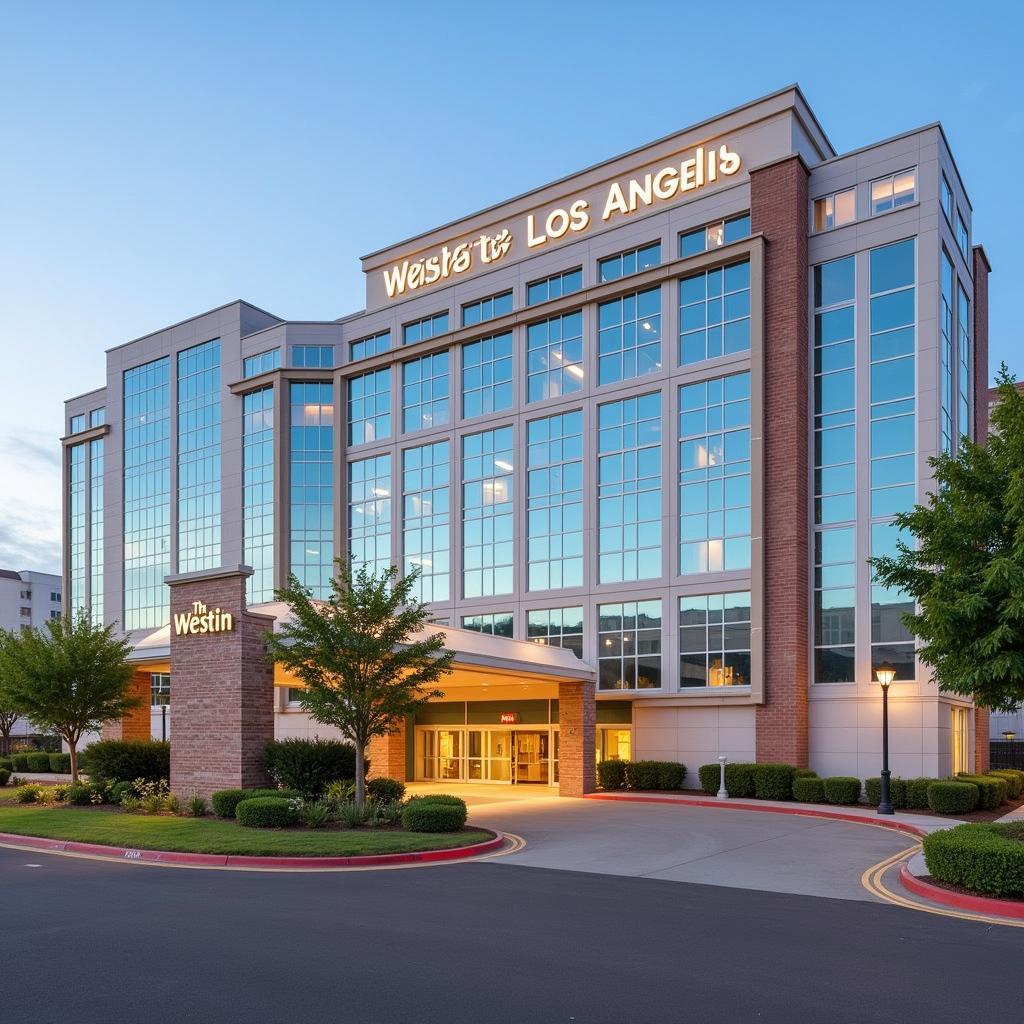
(222, 684)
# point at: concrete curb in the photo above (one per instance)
(247, 862)
(962, 901)
(799, 810)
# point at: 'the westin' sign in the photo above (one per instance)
(202, 620)
(623, 198)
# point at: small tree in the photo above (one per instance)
(967, 572)
(71, 677)
(8, 712)
(363, 668)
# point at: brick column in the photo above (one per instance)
(577, 725)
(386, 755)
(778, 209)
(136, 724)
(222, 687)
(981, 268)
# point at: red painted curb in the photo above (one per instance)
(246, 861)
(960, 900)
(732, 805)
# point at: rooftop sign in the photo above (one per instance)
(623, 198)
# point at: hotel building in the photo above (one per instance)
(640, 430)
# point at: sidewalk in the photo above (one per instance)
(52, 777)
(842, 812)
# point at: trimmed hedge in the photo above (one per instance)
(1014, 781)
(611, 774)
(993, 790)
(842, 789)
(127, 760)
(266, 812)
(809, 789)
(424, 816)
(385, 790)
(917, 793)
(739, 779)
(952, 797)
(710, 778)
(773, 781)
(897, 792)
(646, 775)
(38, 762)
(804, 773)
(60, 763)
(5, 762)
(310, 765)
(5, 776)
(437, 798)
(225, 801)
(985, 858)
(19, 762)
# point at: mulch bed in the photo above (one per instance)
(960, 890)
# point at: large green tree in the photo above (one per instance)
(361, 655)
(71, 676)
(966, 571)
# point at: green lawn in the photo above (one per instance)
(212, 835)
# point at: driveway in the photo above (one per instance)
(712, 846)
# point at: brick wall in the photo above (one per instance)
(577, 724)
(135, 725)
(386, 755)
(778, 209)
(222, 691)
(981, 372)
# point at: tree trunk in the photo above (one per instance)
(72, 747)
(360, 774)
(5, 741)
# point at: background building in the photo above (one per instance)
(659, 413)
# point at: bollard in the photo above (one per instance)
(723, 793)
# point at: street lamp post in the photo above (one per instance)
(1009, 735)
(886, 674)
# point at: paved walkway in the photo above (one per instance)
(676, 842)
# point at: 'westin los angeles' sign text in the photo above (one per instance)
(703, 168)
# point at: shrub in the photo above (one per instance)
(710, 778)
(28, 794)
(641, 775)
(385, 791)
(309, 765)
(79, 794)
(986, 858)
(842, 789)
(995, 771)
(773, 781)
(196, 806)
(38, 762)
(804, 773)
(1014, 781)
(353, 815)
(611, 774)
(267, 812)
(316, 813)
(340, 791)
(119, 790)
(125, 760)
(19, 762)
(917, 793)
(5, 762)
(952, 797)
(385, 813)
(5, 775)
(993, 790)
(60, 763)
(809, 789)
(739, 779)
(424, 816)
(225, 801)
(437, 798)
(897, 792)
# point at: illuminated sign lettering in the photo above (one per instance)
(202, 620)
(706, 166)
(509, 717)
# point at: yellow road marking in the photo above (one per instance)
(872, 880)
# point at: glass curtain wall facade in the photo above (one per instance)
(488, 554)
(77, 516)
(369, 514)
(311, 484)
(426, 518)
(96, 531)
(199, 498)
(258, 492)
(147, 493)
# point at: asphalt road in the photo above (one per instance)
(486, 943)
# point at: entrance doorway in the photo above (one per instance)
(522, 756)
(961, 739)
(532, 760)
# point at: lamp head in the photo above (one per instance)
(885, 674)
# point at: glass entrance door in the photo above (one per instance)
(531, 763)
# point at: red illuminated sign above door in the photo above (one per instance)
(509, 718)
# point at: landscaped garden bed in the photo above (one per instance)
(987, 859)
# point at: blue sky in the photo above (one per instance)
(157, 160)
